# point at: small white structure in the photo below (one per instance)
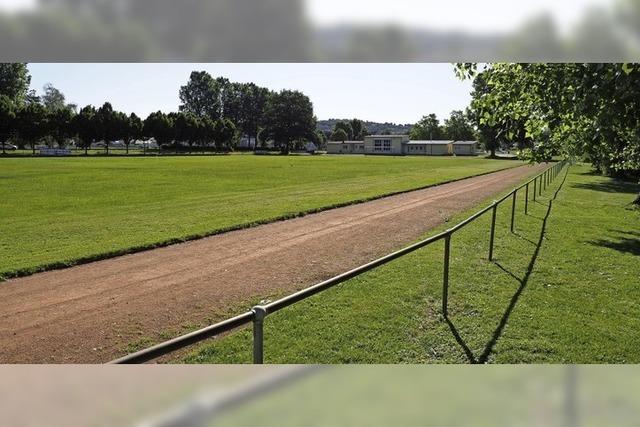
(46, 151)
(465, 148)
(247, 143)
(310, 147)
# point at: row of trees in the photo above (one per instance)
(458, 127)
(34, 123)
(284, 117)
(348, 130)
(590, 111)
(214, 112)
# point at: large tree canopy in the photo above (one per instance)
(7, 119)
(201, 95)
(573, 109)
(84, 124)
(53, 99)
(346, 127)
(32, 123)
(289, 117)
(14, 81)
(586, 110)
(427, 128)
(458, 127)
(159, 126)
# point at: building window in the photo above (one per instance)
(386, 144)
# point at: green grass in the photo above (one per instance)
(57, 212)
(568, 295)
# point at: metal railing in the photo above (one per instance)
(259, 313)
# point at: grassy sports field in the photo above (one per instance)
(564, 290)
(59, 211)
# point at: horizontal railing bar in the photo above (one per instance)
(166, 347)
(471, 219)
(305, 293)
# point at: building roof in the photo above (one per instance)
(434, 142)
(345, 142)
(465, 142)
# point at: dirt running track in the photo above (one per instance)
(90, 313)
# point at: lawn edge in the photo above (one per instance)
(60, 265)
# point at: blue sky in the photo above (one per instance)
(400, 93)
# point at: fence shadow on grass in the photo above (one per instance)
(488, 349)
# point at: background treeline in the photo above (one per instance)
(458, 127)
(373, 128)
(214, 114)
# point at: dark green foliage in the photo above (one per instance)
(7, 119)
(84, 124)
(160, 127)
(339, 135)
(428, 128)
(288, 118)
(14, 81)
(585, 110)
(31, 121)
(458, 127)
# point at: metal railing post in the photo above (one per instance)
(445, 275)
(526, 199)
(513, 210)
(540, 186)
(535, 188)
(493, 229)
(258, 333)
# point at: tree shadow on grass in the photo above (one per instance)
(610, 186)
(629, 242)
(488, 349)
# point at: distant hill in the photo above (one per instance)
(374, 128)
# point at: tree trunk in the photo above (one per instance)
(637, 200)
(33, 148)
(106, 146)
(3, 151)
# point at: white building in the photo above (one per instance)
(428, 148)
(345, 147)
(465, 148)
(401, 145)
(385, 144)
